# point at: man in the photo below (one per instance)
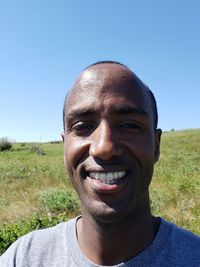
(111, 145)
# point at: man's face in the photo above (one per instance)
(110, 143)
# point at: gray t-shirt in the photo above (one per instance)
(58, 247)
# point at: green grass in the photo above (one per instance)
(27, 177)
(24, 174)
(175, 189)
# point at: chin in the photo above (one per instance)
(111, 218)
(104, 213)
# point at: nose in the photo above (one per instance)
(104, 144)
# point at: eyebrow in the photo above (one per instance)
(130, 110)
(119, 110)
(80, 113)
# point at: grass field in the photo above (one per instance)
(27, 175)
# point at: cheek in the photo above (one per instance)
(146, 157)
(147, 153)
(141, 148)
(75, 151)
(147, 162)
(70, 162)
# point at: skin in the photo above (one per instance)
(109, 127)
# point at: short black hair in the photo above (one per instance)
(151, 95)
(106, 62)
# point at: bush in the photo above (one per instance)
(55, 142)
(10, 233)
(5, 144)
(55, 200)
(23, 144)
(38, 150)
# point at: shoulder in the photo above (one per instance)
(182, 245)
(42, 236)
(37, 244)
(182, 237)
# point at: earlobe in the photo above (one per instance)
(63, 136)
(158, 134)
(63, 139)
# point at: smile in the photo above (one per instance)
(108, 177)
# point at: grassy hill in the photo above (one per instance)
(33, 181)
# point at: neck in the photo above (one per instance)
(113, 243)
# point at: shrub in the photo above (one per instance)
(38, 150)
(15, 169)
(55, 200)
(10, 233)
(5, 144)
(23, 144)
(55, 142)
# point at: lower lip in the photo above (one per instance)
(105, 188)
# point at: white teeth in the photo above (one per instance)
(102, 175)
(107, 177)
(115, 175)
(97, 175)
(120, 174)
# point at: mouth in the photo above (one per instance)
(109, 178)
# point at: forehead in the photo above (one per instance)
(108, 84)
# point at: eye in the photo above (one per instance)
(82, 128)
(130, 125)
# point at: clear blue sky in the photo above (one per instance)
(45, 44)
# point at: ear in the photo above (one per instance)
(63, 136)
(157, 134)
(63, 139)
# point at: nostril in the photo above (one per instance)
(114, 161)
(104, 151)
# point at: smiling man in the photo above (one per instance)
(111, 144)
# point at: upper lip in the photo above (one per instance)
(102, 167)
(106, 169)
